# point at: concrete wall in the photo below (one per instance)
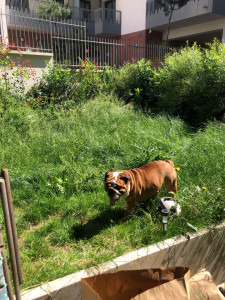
(205, 249)
(3, 23)
(133, 15)
(38, 61)
(194, 29)
(95, 4)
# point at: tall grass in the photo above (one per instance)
(57, 161)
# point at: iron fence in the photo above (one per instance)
(69, 42)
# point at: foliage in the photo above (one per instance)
(56, 86)
(22, 71)
(14, 73)
(133, 83)
(6, 63)
(52, 9)
(168, 7)
(5, 48)
(61, 86)
(88, 80)
(189, 82)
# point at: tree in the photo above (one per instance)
(53, 9)
(168, 7)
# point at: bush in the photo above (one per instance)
(62, 87)
(56, 87)
(191, 84)
(133, 83)
(12, 113)
(88, 80)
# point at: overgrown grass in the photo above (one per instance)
(57, 163)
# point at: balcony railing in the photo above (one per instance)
(107, 21)
(156, 19)
(98, 22)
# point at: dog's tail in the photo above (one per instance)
(170, 162)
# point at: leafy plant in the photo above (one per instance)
(88, 80)
(55, 87)
(61, 86)
(133, 83)
(53, 9)
(169, 6)
(189, 82)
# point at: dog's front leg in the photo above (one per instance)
(128, 211)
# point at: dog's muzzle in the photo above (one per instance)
(114, 195)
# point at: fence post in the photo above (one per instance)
(5, 174)
(10, 238)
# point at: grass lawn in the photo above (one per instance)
(57, 163)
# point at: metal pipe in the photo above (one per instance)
(10, 238)
(5, 267)
(5, 175)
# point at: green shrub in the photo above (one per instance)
(56, 87)
(191, 84)
(88, 80)
(133, 82)
(62, 87)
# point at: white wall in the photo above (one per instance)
(133, 15)
(3, 24)
(38, 61)
(75, 3)
(197, 29)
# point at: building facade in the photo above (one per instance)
(139, 21)
(198, 21)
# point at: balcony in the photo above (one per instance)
(100, 22)
(194, 12)
(107, 21)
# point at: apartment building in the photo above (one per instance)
(198, 20)
(141, 21)
(117, 19)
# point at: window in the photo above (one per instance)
(60, 1)
(111, 4)
(85, 4)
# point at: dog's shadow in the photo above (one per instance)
(93, 227)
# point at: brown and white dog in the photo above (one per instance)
(140, 184)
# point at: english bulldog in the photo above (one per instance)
(140, 184)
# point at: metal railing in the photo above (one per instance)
(69, 43)
(196, 11)
(100, 21)
(108, 21)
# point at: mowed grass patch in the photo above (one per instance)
(57, 162)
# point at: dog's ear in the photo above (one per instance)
(106, 175)
(125, 178)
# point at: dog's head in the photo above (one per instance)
(117, 184)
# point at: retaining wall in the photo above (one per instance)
(38, 60)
